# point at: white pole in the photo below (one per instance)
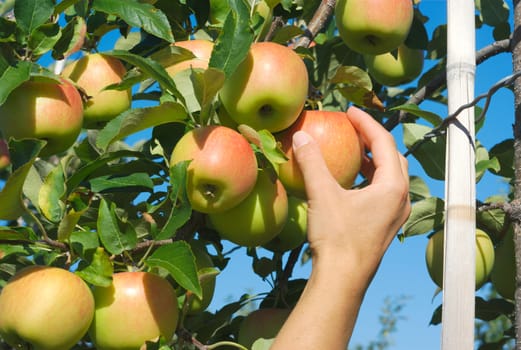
(460, 192)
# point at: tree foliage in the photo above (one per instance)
(108, 205)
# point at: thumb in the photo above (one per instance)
(311, 163)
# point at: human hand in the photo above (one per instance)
(360, 223)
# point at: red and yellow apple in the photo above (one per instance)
(93, 73)
(294, 231)
(201, 49)
(137, 307)
(503, 275)
(373, 26)
(258, 218)
(269, 88)
(261, 324)
(223, 167)
(202, 261)
(338, 142)
(390, 70)
(45, 308)
(43, 109)
(434, 256)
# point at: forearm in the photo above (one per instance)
(325, 314)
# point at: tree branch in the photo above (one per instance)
(315, 25)
(440, 80)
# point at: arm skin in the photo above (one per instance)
(348, 233)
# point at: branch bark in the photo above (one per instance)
(320, 18)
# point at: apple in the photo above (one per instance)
(261, 324)
(223, 167)
(45, 308)
(503, 275)
(92, 73)
(434, 256)
(202, 261)
(338, 141)
(201, 49)
(5, 158)
(43, 109)
(258, 218)
(269, 88)
(137, 307)
(373, 26)
(294, 231)
(388, 69)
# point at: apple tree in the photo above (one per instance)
(210, 89)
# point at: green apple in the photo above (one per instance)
(223, 167)
(388, 69)
(137, 307)
(339, 144)
(269, 88)
(503, 275)
(45, 308)
(201, 49)
(93, 73)
(202, 261)
(258, 218)
(261, 324)
(434, 256)
(43, 109)
(5, 158)
(373, 26)
(294, 231)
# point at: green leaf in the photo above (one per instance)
(51, 194)
(504, 153)
(411, 108)
(99, 271)
(23, 155)
(493, 12)
(138, 119)
(425, 216)
(430, 153)
(84, 243)
(12, 77)
(418, 189)
(71, 40)
(234, 41)
(64, 5)
(352, 76)
(44, 38)
(21, 233)
(484, 163)
(149, 67)
(286, 33)
(177, 258)
(31, 14)
(206, 86)
(138, 14)
(262, 344)
(7, 30)
(113, 238)
(108, 182)
(181, 210)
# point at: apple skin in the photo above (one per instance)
(294, 231)
(262, 323)
(338, 141)
(5, 158)
(94, 72)
(269, 88)
(202, 50)
(43, 109)
(257, 219)
(503, 275)
(202, 260)
(484, 257)
(47, 307)
(389, 70)
(223, 167)
(372, 26)
(137, 307)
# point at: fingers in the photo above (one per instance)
(312, 164)
(385, 157)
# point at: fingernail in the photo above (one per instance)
(300, 138)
